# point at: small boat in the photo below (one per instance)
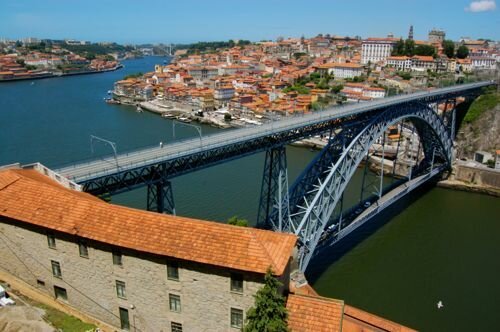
(168, 115)
(110, 92)
(138, 109)
(112, 101)
(184, 119)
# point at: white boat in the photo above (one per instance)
(168, 115)
(138, 109)
(184, 119)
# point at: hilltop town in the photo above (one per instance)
(249, 81)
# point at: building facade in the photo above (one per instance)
(346, 70)
(374, 50)
(135, 270)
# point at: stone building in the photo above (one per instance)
(143, 271)
(133, 269)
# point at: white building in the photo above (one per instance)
(423, 63)
(483, 63)
(374, 92)
(346, 70)
(401, 63)
(376, 49)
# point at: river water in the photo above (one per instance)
(436, 245)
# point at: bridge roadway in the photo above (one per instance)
(98, 168)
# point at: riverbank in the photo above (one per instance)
(468, 187)
(59, 74)
(473, 177)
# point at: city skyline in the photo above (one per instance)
(221, 20)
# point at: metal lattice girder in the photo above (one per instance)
(161, 198)
(318, 205)
(114, 178)
(274, 192)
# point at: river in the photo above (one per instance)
(439, 245)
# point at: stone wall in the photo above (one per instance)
(483, 177)
(206, 299)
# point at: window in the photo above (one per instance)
(84, 250)
(120, 289)
(56, 269)
(173, 271)
(236, 282)
(175, 327)
(40, 282)
(60, 293)
(51, 240)
(175, 302)
(236, 318)
(124, 322)
(117, 258)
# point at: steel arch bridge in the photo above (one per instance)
(311, 208)
(307, 208)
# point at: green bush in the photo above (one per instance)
(481, 104)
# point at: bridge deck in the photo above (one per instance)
(153, 155)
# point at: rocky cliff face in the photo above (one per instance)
(482, 131)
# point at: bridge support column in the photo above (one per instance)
(161, 197)
(274, 192)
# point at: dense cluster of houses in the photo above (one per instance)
(23, 63)
(262, 77)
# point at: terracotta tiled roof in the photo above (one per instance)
(356, 320)
(30, 197)
(314, 313)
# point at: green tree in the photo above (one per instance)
(462, 52)
(236, 221)
(399, 48)
(337, 88)
(428, 50)
(269, 313)
(449, 48)
(409, 47)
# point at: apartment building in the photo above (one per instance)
(374, 50)
(347, 70)
(132, 269)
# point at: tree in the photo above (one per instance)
(236, 221)
(337, 88)
(428, 50)
(269, 313)
(449, 48)
(409, 47)
(462, 52)
(399, 48)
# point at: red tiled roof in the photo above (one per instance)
(314, 313)
(32, 198)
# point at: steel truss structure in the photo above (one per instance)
(306, 208)
(274, 191)
(310, 216)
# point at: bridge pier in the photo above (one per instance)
(274, 192)
(160, 197)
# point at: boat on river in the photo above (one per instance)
(184, 119)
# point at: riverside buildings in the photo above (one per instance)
(142, 271)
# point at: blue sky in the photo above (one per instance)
(136, 21)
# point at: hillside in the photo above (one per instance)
(480, 127)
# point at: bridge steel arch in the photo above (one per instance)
(309, 217)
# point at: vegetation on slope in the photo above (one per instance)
(487, 101)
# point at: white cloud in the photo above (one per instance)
(481, 6)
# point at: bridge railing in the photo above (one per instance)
(152, 155)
